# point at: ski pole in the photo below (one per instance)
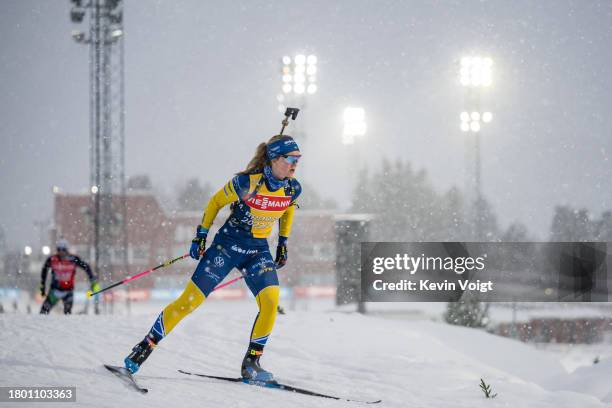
(221, 286)
(140, 275)
(228, 283)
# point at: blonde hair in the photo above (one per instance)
(260, 159)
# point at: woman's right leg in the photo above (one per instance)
(209, 272)
(188, 301)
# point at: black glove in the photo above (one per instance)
(281, 252)
(42, 289)
(198, 243)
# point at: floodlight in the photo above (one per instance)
(299, 88)
(115, 34)
(475, 71)
(78, 36)
(354, 121)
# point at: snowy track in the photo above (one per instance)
(404, 363)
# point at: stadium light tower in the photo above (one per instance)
(104, 37)
(475, 75)
(299, 80)
(299, 75)
(354, 128)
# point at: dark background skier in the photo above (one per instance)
(63, 268)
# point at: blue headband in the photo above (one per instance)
(281, 146)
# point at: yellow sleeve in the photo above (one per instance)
(286, 221)
(220, 199)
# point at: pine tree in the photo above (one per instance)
(486, 389)
(192, 196)
(310, 199)
(469, 313)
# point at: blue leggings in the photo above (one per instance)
(224, 254)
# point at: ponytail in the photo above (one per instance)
(260, 159)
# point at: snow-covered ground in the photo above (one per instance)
(406, 363)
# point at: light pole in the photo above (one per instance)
(349, 231)
(299, 79)
(354, 129)
(475, 75)
(105, 39)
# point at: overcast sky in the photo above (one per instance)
(202, 79)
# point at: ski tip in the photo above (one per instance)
(117, 369)
(113, 367)
(124, 373)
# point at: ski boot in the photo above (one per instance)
(251, 370)
(139, 354)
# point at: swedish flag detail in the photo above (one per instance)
(260, 340)
(158, 327)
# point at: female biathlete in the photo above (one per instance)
(259, 196)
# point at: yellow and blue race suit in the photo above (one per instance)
(240, 243)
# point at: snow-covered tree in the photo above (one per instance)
(469, 312)
(192, 196)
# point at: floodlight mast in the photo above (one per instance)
(105, 39)
(475, 75)
(299, 82)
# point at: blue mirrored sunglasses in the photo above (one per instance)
(291, 159)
